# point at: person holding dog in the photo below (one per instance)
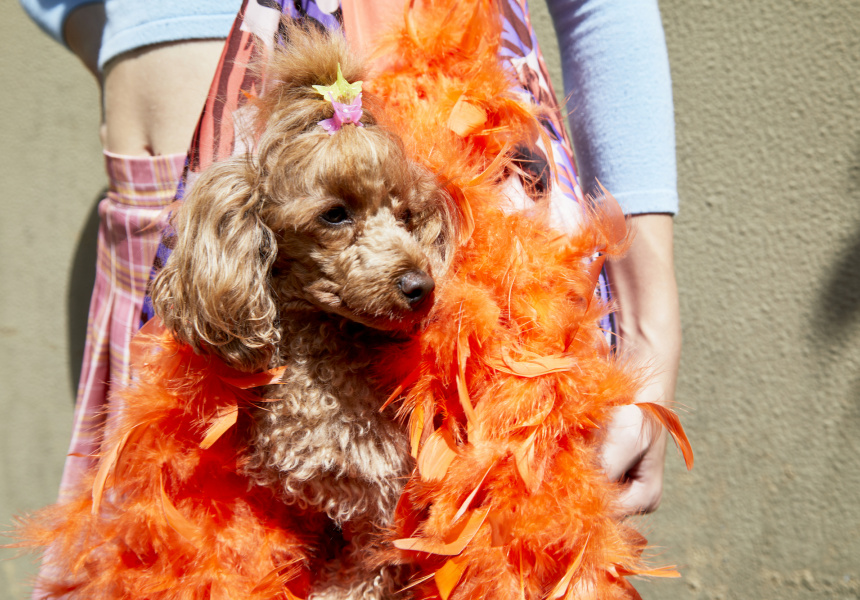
(155, 61)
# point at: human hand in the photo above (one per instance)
(633, 454)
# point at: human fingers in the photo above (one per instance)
(632, 454)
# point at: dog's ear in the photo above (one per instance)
(214, 291)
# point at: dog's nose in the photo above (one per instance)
(416, 286)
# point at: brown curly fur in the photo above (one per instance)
(296, 255)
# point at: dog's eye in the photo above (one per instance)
(335, 216)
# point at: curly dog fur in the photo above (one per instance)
(311, 253)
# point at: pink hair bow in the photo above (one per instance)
(343, 114)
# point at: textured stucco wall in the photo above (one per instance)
(768, 111)
(768, 259)
(52, 174)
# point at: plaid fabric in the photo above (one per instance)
(131, 219)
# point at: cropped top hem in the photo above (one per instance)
(132, 24)
(169, 29)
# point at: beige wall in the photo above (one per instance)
(52, 174)
(768, 112)
(768, 253)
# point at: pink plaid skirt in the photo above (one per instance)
(131, 219)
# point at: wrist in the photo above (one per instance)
(645, 290)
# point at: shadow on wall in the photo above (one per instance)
(81, 280)
(839, 299)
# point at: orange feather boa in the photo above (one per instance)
(503, 394)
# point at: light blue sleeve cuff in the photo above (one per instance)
(616, 76)
(640, 202)
(51, 15)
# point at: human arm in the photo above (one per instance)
(649, 328)
(617, 78)
(83, 33)
(78, 24)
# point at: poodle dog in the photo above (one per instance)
(311, 253)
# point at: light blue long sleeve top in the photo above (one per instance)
(616, 74)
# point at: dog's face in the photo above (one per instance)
(342, 223)
(361, 231)
(345, 223)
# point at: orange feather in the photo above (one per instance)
(437, 454)
(524, 458)
(448, 576)
(466, 117)
(673, 424)
(106, 466)
(245, 382)
(456, 540)
(468, 501)
(560, 588)
(175, 519)
(532, 365)
(222, 423)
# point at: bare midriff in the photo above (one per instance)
(153, 96)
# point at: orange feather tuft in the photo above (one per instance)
(672, 423)
(449, 575)
(222, 423)
(560, 590)
(437, 454)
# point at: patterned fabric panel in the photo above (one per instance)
(130, 221)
